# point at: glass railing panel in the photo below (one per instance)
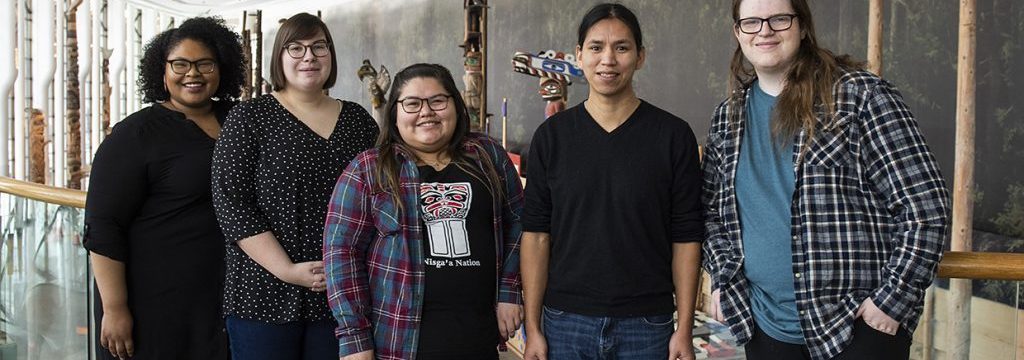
(995, 322)
(44, 281)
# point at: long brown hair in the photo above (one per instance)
(809, 83)
(390, 144)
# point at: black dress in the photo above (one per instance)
(273, 173)
(149, 206)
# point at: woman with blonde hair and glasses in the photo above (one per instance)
(421, 244)
(825, 210)
(273, 171)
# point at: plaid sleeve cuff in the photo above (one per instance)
(354, 344)
(898, 303)
(510, 294)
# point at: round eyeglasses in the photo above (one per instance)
(298, 51)
(413, 105)
(753, 25)
(182, 66)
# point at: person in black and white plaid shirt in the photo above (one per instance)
(826, 213)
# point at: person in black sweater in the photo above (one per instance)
(273, 172)
(153, 239)
(613, 218)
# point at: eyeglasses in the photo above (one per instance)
(753, 25)
(298, 51)
(182, 66)
(413, 105)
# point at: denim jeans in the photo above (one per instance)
(573, 336)
(257, 340)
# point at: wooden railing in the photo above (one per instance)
(955, 264)
(49, 194)
(982, 266)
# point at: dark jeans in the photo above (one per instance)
(867, 343)
(576, 337)
(257, 340)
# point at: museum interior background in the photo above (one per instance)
(689, 44)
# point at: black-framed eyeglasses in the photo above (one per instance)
(298, 51)
(413, 105)
(753, 25)
(182, 66)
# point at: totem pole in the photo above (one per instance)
(74, 151)
(105, 91)
(247, 59)
(474, 47)
(555, 70)
(37, 147)
(377, 84)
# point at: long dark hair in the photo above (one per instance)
(390, 144)
(809, 83)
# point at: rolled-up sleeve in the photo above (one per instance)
(118, 187)
(687, 222)
(537, 216)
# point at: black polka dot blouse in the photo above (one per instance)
(273, 173)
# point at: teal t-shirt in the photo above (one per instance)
(764, 190)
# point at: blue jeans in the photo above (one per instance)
(576, 337)
(257, 340)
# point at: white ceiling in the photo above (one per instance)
(199, 7)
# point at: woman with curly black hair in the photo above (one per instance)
(156, 249)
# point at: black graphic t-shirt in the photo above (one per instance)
(457, 216)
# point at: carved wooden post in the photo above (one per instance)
(74, 147)
(963, 183)
(258, 88)
(474, 47)
(247, 59)
(105, 92)
(37, 147)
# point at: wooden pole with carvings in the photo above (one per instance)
(74, 147)
(258, 69)
(247, 59)
(474, 54)
(875, 37)
(963, 183)
(37, 147)
(105, 92)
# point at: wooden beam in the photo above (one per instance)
(982, 266)
(875, 37)
(926, 330)
(959, 336)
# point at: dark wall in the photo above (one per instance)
(689, 44)
(393, 33)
